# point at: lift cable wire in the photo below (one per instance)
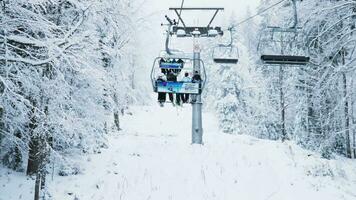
(262, 11)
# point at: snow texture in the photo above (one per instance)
(152, 158)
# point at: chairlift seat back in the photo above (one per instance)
(226, 54)
(170, 65)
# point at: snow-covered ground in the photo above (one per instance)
(152, 159)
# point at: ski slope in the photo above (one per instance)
(152, 159)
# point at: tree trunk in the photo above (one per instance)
(40, 185)
(116, 111)
(346, 110)
(37, 144)
(2, 89)
(37, 186)
(353, 126)
(282, 105)
(35, 156)
(34, 161)
(2, 124)
(133, 72)
(347, 117)
(38, 153)
(352, 120)
(353, 129)
(310, 115)
(117, 120)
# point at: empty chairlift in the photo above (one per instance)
(226, 53)
(286, 41)
(223, 54)
(287, 37)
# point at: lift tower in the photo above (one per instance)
(196, 32)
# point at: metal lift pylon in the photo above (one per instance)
(196, 32)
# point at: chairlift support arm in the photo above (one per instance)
(212, 19)
(295, 14)
(294, 27)
(191, 8)
(203, 30)
(180, 18)
(196, 8)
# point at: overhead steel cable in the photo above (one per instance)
(258, 13)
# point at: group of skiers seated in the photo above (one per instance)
(171, 75)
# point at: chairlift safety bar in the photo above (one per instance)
(277, 28)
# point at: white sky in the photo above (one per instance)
(238, 6)
(155, 10)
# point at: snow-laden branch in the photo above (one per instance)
(329, 28)
(25, 40)
(27, 61)
(337, 7)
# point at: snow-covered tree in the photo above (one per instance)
(64, 78)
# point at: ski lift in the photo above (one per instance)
(287, 37)
(223, 54)
(226, 53)
(178, 62)
(162, 66)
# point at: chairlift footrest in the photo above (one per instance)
(285, 59)
(226, 60)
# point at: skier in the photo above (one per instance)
(164, 71)
(196, 79)
(161, 95)
(185, 79)
(181, 62)
(171, 76)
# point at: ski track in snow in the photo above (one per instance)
(152, 159)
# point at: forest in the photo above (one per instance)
(65, 78)
(69, 74)
(313, 105)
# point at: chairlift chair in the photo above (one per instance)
(223, 54)
(175, 60)
(226, 53)
(291, 58)
(177, 87)
(270, 58)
